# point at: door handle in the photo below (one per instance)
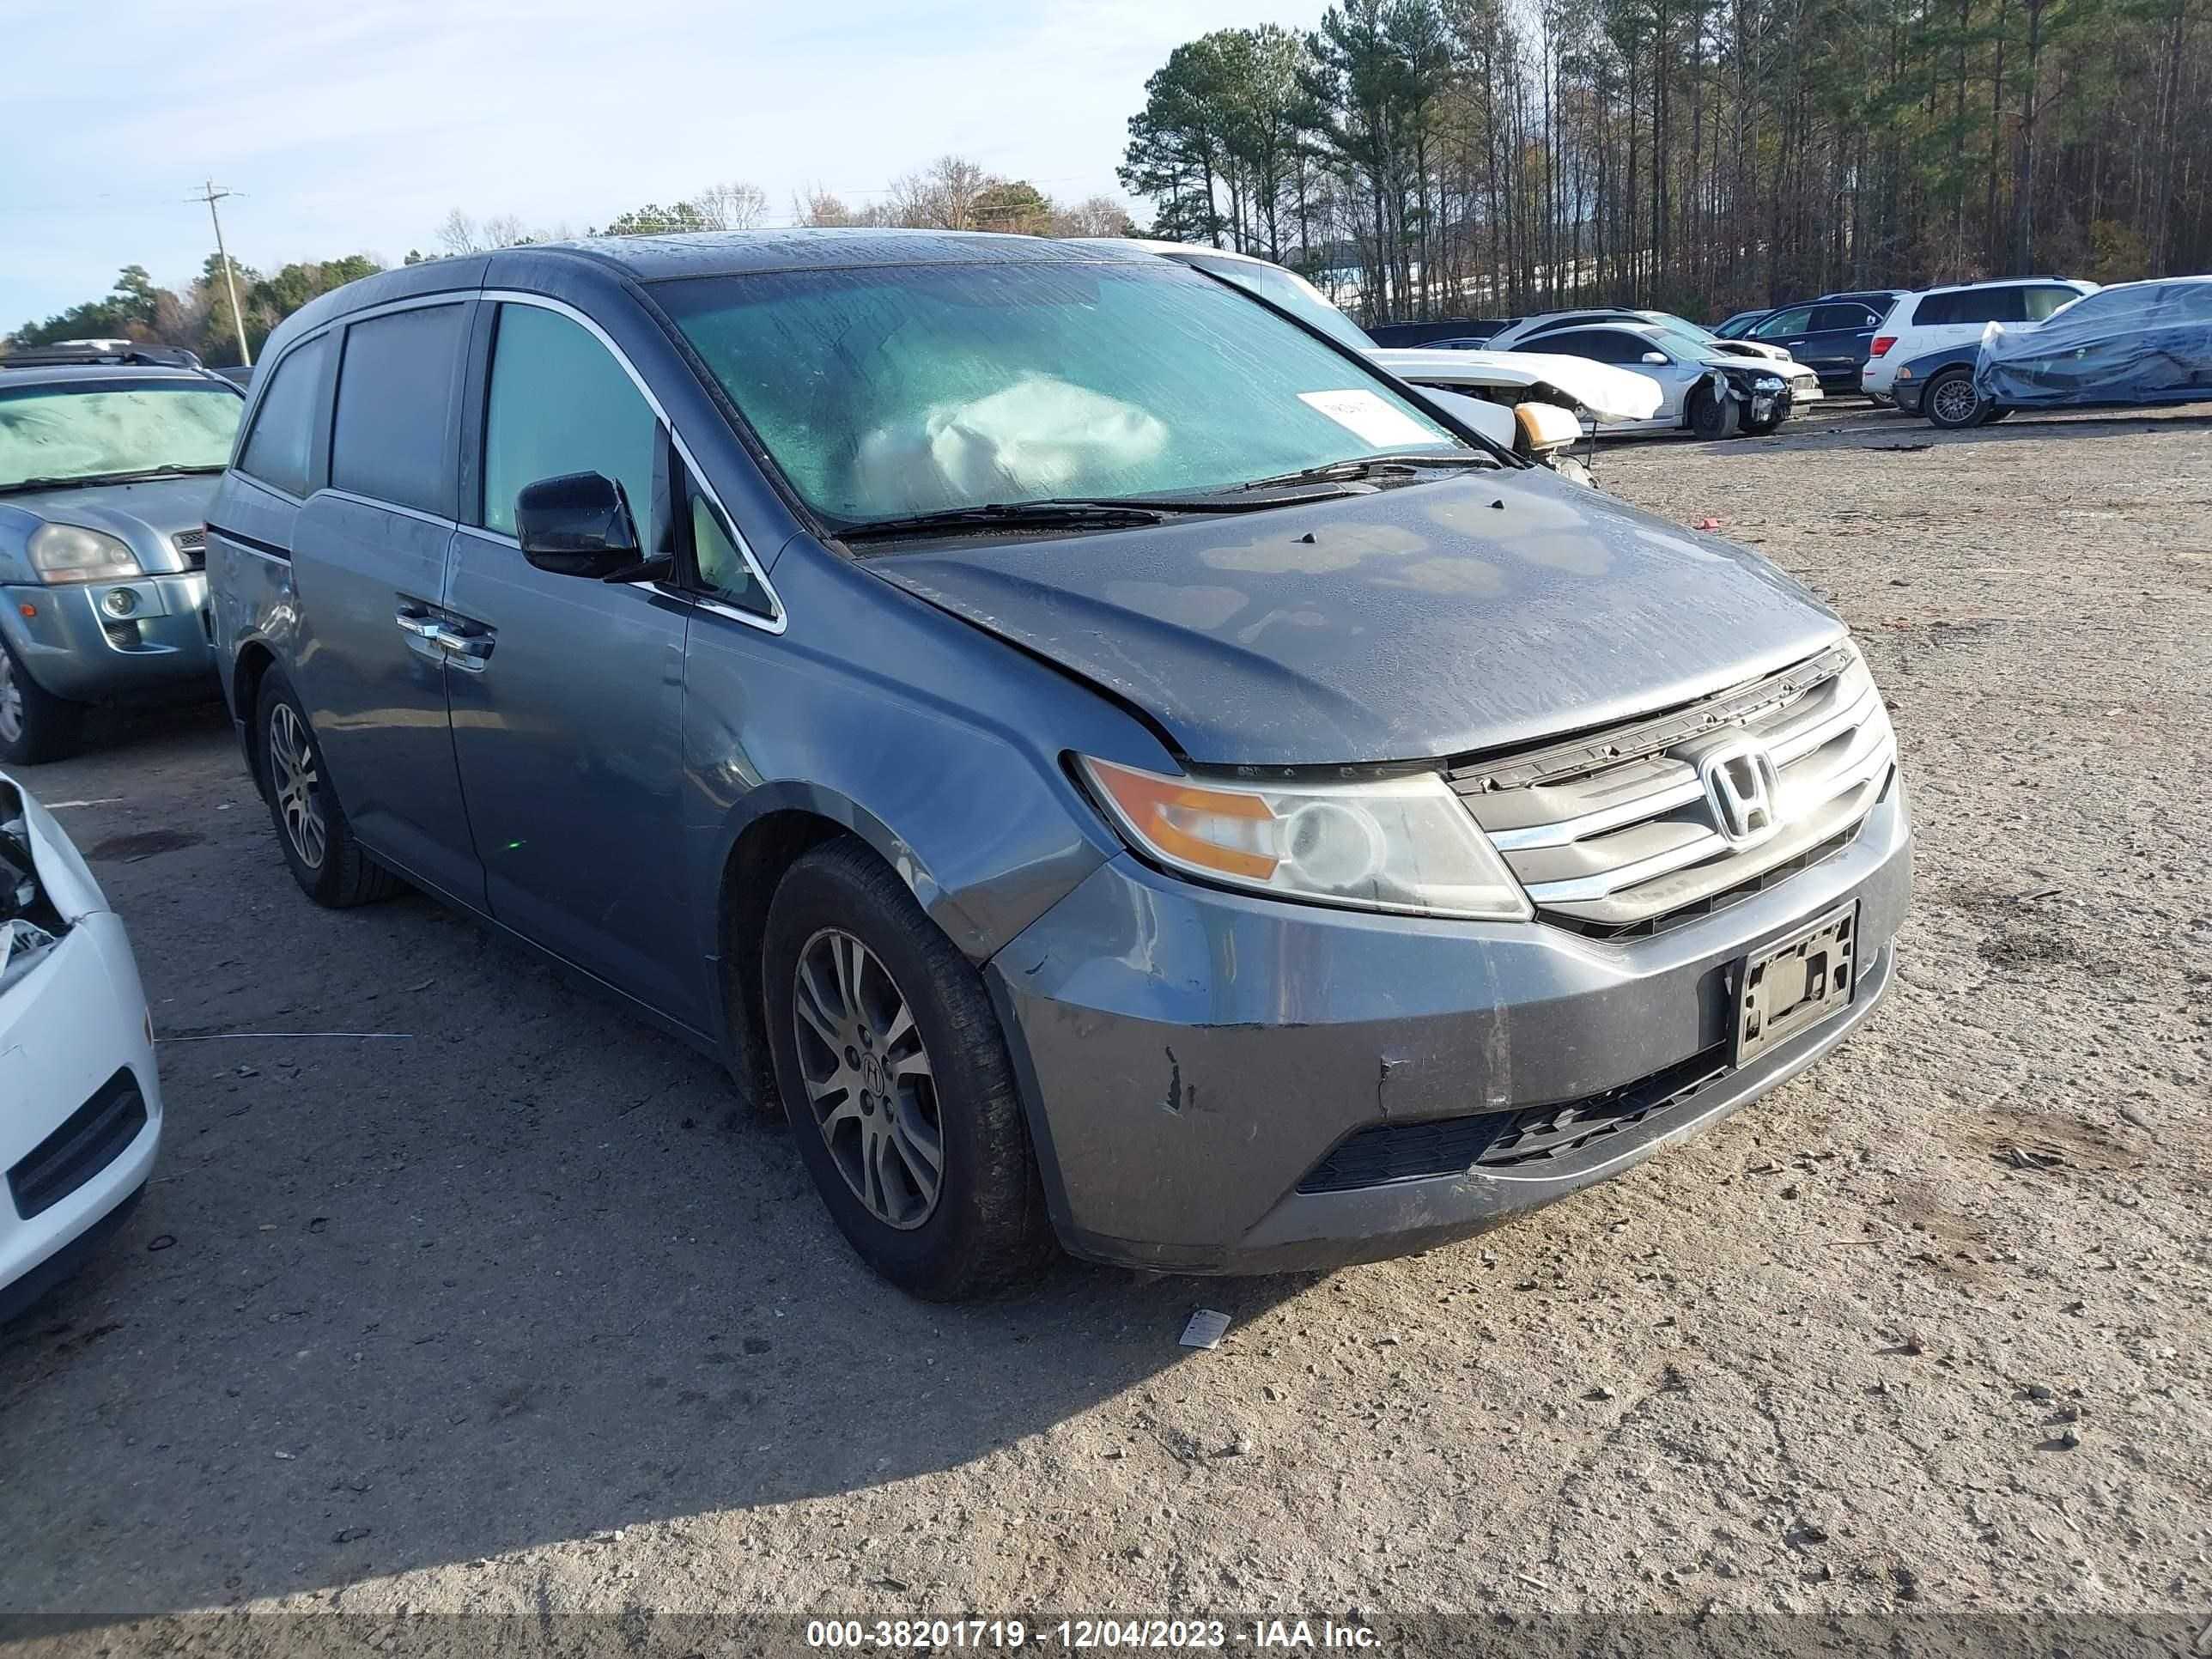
(466, 645)
(419, 623)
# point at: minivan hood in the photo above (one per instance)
(1479, 612)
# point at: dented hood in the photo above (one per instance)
(1434, 619)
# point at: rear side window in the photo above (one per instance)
(1839, 318)
(1974, 306)
(395, 388)
(1602, 345)
(560, 404)
(2042, 301)
(277, 449)
(1793, 321)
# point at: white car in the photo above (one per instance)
(1715, 394)
(1527, 333)
(1938, 316)
(80, 1101)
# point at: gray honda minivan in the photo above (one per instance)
(1120, 766)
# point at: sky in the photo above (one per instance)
(357, 126)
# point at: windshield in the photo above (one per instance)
(1288, 290)
(1669, 321)
(885, 392)
(96, 430)
(1683, 348)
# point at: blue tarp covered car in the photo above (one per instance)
(2133, 345)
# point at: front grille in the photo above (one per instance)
(192, 545)
(1558, 1133)
(123, 636)
(90, 1139)
(1614, 834)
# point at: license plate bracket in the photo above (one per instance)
(1795, 983)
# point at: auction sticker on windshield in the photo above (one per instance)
(1370, 418)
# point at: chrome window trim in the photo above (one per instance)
(770, 624)
(357, 499)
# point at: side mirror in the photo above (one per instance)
(576, 525)
(1656, 359)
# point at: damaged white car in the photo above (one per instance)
(80, 1103)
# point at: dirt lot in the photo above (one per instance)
(520, 1310)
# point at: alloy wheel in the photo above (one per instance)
(868, 1078)
(11, 701)
(1955, 401)
(293, 776)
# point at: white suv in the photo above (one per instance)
(1938, 316)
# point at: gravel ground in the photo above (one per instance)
(526, 1312)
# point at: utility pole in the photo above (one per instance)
(229, 280)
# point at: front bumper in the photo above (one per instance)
(1189, 1056)
(160, 647)
(67, 1028)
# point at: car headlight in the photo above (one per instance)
(70, 553)
(1767, 383)
(1400, 844)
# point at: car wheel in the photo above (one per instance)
(35, 725)
(894, 1075)
(1952, 403)
(1714, 418)
(318, 842)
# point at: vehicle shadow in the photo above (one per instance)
(1891, 429)
(518, 1270)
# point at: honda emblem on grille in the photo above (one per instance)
(1744, 790)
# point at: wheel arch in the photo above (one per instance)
(249, 667)
(778, 824)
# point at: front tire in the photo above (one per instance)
(311, 831)
(1952, 403)
(894, 1075)
(35, 725)
(1714, 419)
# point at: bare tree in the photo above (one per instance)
(943, 196)
(819, 206)
(458, 233)
(1094, 216)
(507, 230)
(735, 205)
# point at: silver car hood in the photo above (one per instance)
(1484, 611)
(145, 516)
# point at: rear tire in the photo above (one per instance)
(1714, 419)
(1951, 402)
(902, 1055)
(35, 725)
(316, 841)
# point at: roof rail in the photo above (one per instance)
(95, 352)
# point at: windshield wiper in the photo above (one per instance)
(133, 476)
(1007, 515)
(1363, 466)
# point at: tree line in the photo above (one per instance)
(951, 193)
(1441, 157)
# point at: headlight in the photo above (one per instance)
(1401, 844)
(1767, 383)
(69, 553)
